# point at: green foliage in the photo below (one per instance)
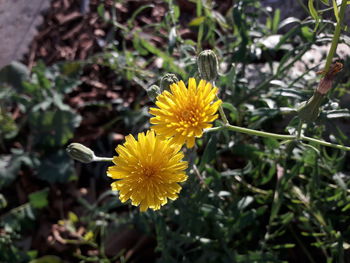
(248, 199)
(50, 121)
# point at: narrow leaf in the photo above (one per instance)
(336, 10)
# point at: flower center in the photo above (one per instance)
(189, 117)
(148, 171)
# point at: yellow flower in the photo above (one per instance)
(184, 112)
(148, 171)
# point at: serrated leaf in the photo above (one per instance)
(53, 128)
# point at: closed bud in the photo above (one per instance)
(153, 92)
(167, 80)
(310, 109)
(80, 153)
(208, 65)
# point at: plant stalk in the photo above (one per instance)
(277, 136)
(336, 36)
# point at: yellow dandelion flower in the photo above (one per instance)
(184, 112)
(148, 171)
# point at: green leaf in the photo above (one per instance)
(39, 199)
(333, 114)
(53, 128)
(57, 167)
(246, 150)
(101, 11)
(47, 259)
(137, 12)
(307, 33)
(14, 75)
(276, 20)
(233, 110)
(313, 13)
(11, 164)
(168, 60)
(73, 217)
(8, 127)
(336, 10)
(68, 76)
(271, 143)
(197, 21)
(288, 245)
(326, 2)
(3, 201)
(312, 10)
(209, 152)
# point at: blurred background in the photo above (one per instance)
(78, 71)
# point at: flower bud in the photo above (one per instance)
(310, 109)
(80, 153)
(153, 92)
(208, 65)
(167, 80)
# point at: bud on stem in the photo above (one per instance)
(208, 65)
(80, 153)
(167, 80)
(153, 92)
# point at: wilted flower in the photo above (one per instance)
(184, 113)
(309, 110)
(148, 171)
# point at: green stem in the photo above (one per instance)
(221, 110)
(300, 126)
(276, 136)
(102, 159)
(252, 132)
(324, 143)
(336, 36)
(222, 114)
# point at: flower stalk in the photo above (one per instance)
(336, 36)
(277, 136)
(84, 154)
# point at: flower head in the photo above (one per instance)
(148, 171)
(184, 113)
